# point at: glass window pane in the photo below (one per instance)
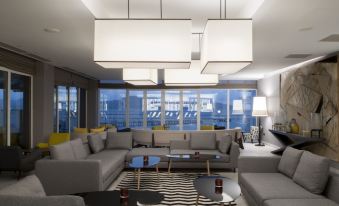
(63, 108)
(73, 107)
(3, 108)
(20, 110)
(153, 108)
(190, 109)
(213, 107)
(172, 109)
(242, 119)
(112, 107)
(136, 116)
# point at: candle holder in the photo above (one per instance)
(218, 190)
(218, 182)
(123, 193)
(145, 160)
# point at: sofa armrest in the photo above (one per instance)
(41, 201)
(63, 177)
(249, 164)
(234, 154)
(179, 144)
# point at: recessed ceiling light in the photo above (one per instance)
(52, 30)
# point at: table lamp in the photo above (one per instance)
(259, 110)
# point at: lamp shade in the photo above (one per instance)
(226, 46)
(143, 43)
(141, 76)
(189, 77)
(259, 107)
(238, 108)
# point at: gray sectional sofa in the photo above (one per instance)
(298, 178)
(29, 192)
(83, 166)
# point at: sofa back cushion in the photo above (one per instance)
(144, 137)
(119, 140)
(224, 144)
(28, 186)
(312, 172)
(78, 149)
(332, 187)
(164, 138)
(62, 151)
(203, 140)
(96, 143)
(289, 161)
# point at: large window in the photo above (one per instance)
(242, 99)
(67, 108)
(177, 109)
(190, 109)
(15, 109)
(172, 109)
(153, 108)
(136, 108)
(112, 107)
(213, 107)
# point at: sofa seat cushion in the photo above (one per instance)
(266, 186)
(160, 152)
(300, 202)
(223, 157)
(28, 186)
(110, 160)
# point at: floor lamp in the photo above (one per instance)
(259, 110)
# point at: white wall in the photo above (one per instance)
(270, 87)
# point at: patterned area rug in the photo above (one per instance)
(177, 187)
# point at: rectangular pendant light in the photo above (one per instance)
(143, 43)
(141, 76)
(226, 46)
(189, 77)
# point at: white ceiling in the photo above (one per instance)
(280, 28)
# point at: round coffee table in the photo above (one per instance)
(137, 163)
(205, 186)
(193, 157)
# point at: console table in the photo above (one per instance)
(293, 140)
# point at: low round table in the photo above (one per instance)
(205, 186)
(137, 163)
(110, 198)
(190, 157)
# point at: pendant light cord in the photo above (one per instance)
(160, 9)
(128, 9)
(220, 7)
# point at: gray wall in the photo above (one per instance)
(270, 87)
(45, 77)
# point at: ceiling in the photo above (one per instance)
(280, 28)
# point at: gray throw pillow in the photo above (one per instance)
(96, 143)
(62, 151)
(312, 172)
(289, 161)
(119, 140)
(225, 144)
(203, 140)
(79, 149)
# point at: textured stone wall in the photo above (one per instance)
(308, 89)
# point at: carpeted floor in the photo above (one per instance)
(177, 187)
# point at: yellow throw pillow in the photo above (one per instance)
(97, 130)
(80, 130)
(206, 127)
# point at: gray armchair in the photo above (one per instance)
(13, 159)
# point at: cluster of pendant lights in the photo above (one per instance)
(142, 46)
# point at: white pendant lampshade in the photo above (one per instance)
(141, 76)
(238, 108)
(143, 43)
(189, 77)
(226, 46)
(259, 107)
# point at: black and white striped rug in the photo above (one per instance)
(177, 187)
